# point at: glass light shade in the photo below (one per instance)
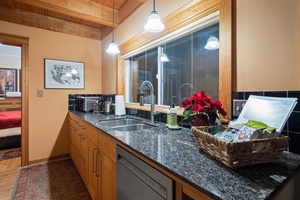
(113, 48)
(164, 58)
(154, 23)
(212, 43)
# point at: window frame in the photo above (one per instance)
(183, 17)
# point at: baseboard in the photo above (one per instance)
(54, 158)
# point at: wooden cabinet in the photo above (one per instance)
(107, 147)
(10, 104)
(93, 183)
(94, 154)
(78, 145)
(98, 152)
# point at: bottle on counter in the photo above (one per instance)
(172, 116)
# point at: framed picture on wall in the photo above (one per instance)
(62, 74)
(8, 80)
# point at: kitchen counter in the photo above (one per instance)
(176, 151)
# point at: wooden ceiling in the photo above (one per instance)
(84, 18)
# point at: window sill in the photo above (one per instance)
(158, 108)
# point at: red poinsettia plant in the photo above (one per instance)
(200, 110)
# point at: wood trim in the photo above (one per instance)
(86, 10)
(120, 75)
(180, 18)
(23, 42)
(54, 158)
(49, 23)
(158, 108)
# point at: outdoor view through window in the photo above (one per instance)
(176, 69)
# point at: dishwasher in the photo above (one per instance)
(137, 180)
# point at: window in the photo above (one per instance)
(190, 68)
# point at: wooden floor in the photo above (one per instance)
(8, 174)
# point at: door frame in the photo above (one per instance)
(22, 42)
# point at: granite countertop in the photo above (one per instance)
(177, 152)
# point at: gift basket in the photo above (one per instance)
(254, 138)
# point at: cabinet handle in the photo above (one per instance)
(94, 167)
(97, 159)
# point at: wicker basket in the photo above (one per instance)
(238, 154)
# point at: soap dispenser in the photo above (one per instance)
(172, 116)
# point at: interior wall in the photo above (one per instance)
(268, 45)
(48, 130)
(129, 28)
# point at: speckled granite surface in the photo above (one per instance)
(177, 152)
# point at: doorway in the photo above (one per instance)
(22, 42)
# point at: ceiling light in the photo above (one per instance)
(212, 43)
(113, 47)
(154, 23)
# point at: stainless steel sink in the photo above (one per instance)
(132, 127)
(119, 122)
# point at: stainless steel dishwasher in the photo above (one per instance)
(137, 180)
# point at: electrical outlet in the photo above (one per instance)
(40, 93)
(237, 107)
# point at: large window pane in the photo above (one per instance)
(143, 67)
(190, 68)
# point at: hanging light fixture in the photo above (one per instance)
(154, 23)
(212, 43)
(113, 47)
(163, 56)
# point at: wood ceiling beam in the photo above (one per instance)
(124, 12)
(10, 3)
(127, 9)
(82, 9)
(49, 23)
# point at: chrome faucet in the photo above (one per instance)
(180, 99)
(153, 112)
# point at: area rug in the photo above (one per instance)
(52, 180)
(4, 155)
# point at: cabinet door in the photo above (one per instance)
(108, 175)
(93, 173)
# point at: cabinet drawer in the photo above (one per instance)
(107, 146)
(92, 134)
(74, 155)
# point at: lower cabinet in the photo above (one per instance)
(93, 182)
(94, 154)
(97, 163)
(77, 133)
(108, 175)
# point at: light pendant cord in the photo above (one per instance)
(113, 31)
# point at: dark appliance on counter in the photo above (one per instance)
(137, 180)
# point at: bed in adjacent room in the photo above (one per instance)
(10, 129)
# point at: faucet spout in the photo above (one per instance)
(153, 112)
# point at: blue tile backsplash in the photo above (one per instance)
(292, 127)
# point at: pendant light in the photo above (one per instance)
(212, 43)
(154, 23)
(113, 47)
(163, 56)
